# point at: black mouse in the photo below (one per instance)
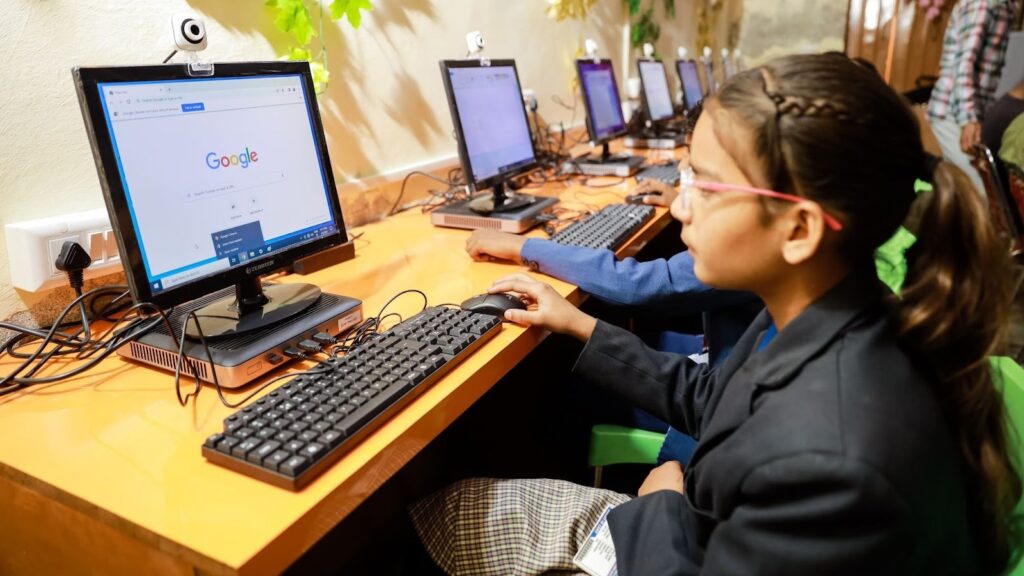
(493, 304)
(639, 198)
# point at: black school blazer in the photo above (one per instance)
(825, 453)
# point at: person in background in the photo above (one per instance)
(973, 53)
(1000, 115)
(656, 285)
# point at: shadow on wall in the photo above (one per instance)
(345, 104)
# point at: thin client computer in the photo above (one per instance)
(689, 78)
(210, 184)
(605, 122)
(658, 110)
(495, 146)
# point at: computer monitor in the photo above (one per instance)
(710, 87)
(656, 95)
(605, 121)
(690, 80)
(493, 132)
(212, 182)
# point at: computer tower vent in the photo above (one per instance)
(471, 222)
(168, 360)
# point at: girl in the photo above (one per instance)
(848, 432)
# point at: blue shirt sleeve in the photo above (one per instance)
(628, 282)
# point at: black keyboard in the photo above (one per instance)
(667, 173)
(291, 435)
(609, 228)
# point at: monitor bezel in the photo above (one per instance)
(464, 158)
(643, 92)
(682, 83)
(591, 130)
(86, 81)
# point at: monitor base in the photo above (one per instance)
(225, 318)
(623, 165)
(462, 215)
(663, 141)
(240, 360)
(487, 204)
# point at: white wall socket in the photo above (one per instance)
(33, 245)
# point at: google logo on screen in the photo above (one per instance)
(215, 161)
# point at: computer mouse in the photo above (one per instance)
(639, 198)
(493, 304)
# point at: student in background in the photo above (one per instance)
(849, 432)
(973, 52)
(659, 285)
(1000, 115)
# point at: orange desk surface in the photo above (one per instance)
(104, 472)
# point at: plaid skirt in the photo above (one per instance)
(509, 527)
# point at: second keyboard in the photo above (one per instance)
(609, 228)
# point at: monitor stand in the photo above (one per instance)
(495, 210)
(604, 164)
(658, 139)
(253, 307)
(498, 200)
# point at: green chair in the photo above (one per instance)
(611, 444)
(1009, 377)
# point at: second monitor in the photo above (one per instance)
(605, 121)
(494, 146)
(658, 109)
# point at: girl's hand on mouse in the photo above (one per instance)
(551, 312)
(657, 193)
(489, 245)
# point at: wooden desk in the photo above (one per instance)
(102, 473)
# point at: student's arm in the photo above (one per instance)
(804, 514)
(669, 386)
(628, 282)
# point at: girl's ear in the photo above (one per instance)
(803, 228)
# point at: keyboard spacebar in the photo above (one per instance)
(367, 412)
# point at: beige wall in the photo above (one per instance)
(771, 28)
(384, 112)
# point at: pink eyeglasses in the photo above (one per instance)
(688, 182)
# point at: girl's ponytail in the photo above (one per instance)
(953, 310)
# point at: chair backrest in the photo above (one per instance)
(1009, 378)
(1006, 215)
(1015, 181)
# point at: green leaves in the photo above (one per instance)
(321, 76)
(670, 8)
(293, 18)
(351, 9)
(644, 29)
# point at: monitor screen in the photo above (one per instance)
(709, 77)
(209, 176)
(489, 116)
(657, 96)
(601, 97)
(690, 80)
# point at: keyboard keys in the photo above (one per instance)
(294, 466)
(317, 417)
(608, 228)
